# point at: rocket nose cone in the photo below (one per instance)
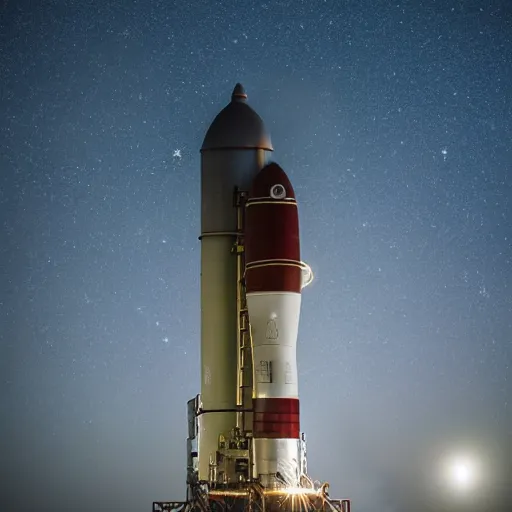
(272, 182)
(239, 93)
(237, 126)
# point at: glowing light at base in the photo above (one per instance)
(294, 491)
(461, 473)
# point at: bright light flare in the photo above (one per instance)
(294, 491)
(461, 473)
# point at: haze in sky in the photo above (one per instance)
(393, 122)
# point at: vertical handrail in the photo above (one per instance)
(242, 320)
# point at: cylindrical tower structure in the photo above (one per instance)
(234, 150)
(273, 279)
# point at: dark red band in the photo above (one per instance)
(271, 232)
(273, 278)
(276, 418)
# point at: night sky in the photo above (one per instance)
(394, 122)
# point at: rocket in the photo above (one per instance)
(245, 450)
(273, 280)
(251, 282)
(235, 148)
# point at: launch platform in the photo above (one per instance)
(256, 499)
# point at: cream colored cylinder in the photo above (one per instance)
(222, 172)
(218, 345)
(218, 318)
(234, 149)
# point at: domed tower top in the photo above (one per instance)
(237, 126)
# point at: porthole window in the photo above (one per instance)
(278, 192)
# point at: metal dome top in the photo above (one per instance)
(237, 126)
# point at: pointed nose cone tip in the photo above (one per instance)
(239, 93)
(237, 126)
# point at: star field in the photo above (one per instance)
(393, 122)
